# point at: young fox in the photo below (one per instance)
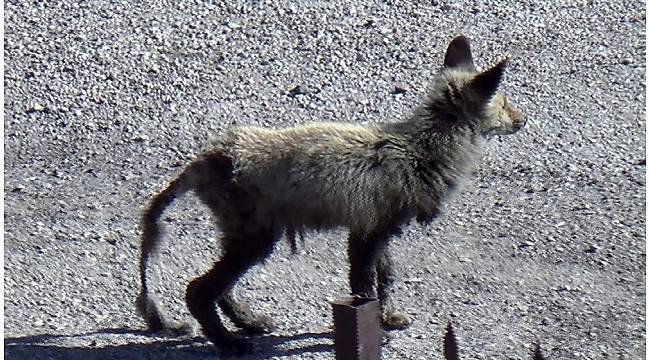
(372, 179)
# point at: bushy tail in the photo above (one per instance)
(150, 239)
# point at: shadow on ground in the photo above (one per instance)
(134, 344)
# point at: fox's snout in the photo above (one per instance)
(519, 123)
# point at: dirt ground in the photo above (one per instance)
(105, 101)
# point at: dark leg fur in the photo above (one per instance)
(149, 312)
(363, 252)
(385, 277)
(391, 319)
(370, 267)
(202, 293)
(241, 315)
(200, 296)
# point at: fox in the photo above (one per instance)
(262, 184)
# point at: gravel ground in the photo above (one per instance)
(104, 101)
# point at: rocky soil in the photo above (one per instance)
(106, 100)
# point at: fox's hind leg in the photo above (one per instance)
(245, 242)
(391, 319)
(240, 252)
(241, 315)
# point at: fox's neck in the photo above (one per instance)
(439, 141)
(431, 129)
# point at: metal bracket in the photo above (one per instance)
(357, 332)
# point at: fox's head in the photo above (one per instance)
(463, 95)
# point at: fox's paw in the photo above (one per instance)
(260, 324)
(396, 320)
(178, 330)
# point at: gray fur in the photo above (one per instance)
(263, 183)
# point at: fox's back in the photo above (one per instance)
(324, 168)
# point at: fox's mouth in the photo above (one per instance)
(507, 131)
(515, 128)
(518, 125)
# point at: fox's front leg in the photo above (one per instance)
(363, 252)
(371, 268)
(391, 318)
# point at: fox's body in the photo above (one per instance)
(332, 174)
(373, 179)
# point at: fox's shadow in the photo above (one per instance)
(129, 344)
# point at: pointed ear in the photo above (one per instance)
(459, 54)
(485, 84)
